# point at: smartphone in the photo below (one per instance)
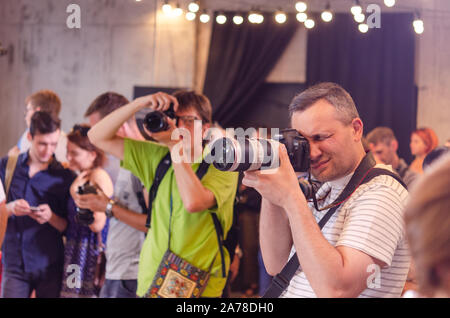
(34, 208)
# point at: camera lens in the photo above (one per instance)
(155, 121)
(242, 154)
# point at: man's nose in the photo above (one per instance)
(315, 151)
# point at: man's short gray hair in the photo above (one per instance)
(333, 94)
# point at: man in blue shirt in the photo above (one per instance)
(37, 203)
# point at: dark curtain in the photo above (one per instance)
(377, 68)
(240, 58)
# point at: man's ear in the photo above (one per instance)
(358, 126)
(394, 145)
(29, 137)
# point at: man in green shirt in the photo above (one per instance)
(183, 203)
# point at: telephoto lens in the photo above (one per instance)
(249, 154)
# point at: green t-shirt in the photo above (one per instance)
(193, 236)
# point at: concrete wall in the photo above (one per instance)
(123, 43)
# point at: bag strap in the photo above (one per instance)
(201, 171)
(161, 170)
(363, 174)
(9, 172)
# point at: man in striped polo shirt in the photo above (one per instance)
(361, 251)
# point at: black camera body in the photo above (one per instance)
(85, 216)
(156, 121)
(249, 154)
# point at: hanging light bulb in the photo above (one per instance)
(418, 24)
(177, 11)
(255, 17)
(301, 6)
(301, 17)
(260, 18)
(280, 17)
(363, 28)
(327, 16)
(360, 18)
(252, 17)
(389, 3)
(238, 19)
(167, 8)
(356, 8)
(194, 6)
(221, 18)
(309, 23)
(204, 17)
(190, 16)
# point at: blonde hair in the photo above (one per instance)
(427, 221)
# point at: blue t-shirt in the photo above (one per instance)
(29, 246)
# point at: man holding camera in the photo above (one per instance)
(361, 250)
(181, 215)
(37, 207)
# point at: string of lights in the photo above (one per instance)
(255, 15)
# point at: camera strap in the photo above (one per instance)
(363, 174)
(161, 170)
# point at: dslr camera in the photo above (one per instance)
(85, 216)
(249, 154)
(156, 121)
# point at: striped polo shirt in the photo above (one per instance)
(371, 221)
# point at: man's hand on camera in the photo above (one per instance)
(94, 202)
(159, 101)
(277, 185)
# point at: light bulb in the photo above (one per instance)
(204, 18)
(167, 8)
(327, 16)
(280, 17)
(259, 18)
(190, 16)
(237, 19)
(301, 16)
(301, 6)
(363, 28)
(221, 19)
(177, 11)
(389, 3)
(359, 18)
(309, 24)
(193, 7)
(356, 9)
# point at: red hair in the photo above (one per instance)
(428, 136)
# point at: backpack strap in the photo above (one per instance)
(363, 174)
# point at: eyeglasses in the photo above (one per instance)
(187, 121)
(83, 130)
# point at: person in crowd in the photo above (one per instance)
(46, 101)
(361, 251)
(427, 224)
(126, 211)
(37, 204)
(181, 220)
(86, 231)
(447, 143)
(384, 146)
(423, 140)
